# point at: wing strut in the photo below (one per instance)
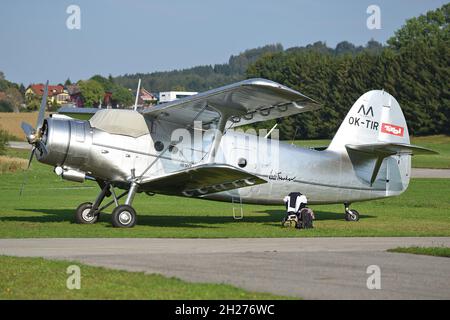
(217, 138)
(141, 177)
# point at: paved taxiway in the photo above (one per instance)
(311, 268)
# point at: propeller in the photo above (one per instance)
(34, 135)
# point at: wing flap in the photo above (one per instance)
(201, 180)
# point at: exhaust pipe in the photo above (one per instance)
(72, 175)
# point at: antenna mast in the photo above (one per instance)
(137, 95)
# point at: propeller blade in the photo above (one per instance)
(27, 128)
(35, 141)
(41, 115)
(31, 157)
(28, 167)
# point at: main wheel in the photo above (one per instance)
(124, 216)
(83, 216)
(352, 215)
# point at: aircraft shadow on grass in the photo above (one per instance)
(271, 217)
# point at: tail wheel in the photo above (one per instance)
(83, 215)
(124, 216)
(286, 222)
(352, 215)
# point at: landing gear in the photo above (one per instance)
(350, 214)
(83, 214)
(290, 221)
(123, 216)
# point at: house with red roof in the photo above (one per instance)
(56, 93)
(146, 98)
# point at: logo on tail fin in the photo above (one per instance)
(392, 129)
(366, 112)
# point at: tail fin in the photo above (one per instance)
(375, 136)
(375, 117)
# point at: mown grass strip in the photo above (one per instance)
(37, 278)
(428, 251)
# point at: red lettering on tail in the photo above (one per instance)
(392, 129)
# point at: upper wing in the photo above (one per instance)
(240, 103)
(201, 180)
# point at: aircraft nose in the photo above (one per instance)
(55, 137)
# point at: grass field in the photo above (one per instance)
(11, 122)
(12, 164)
(47, 206)
(428, 251)
(439, 143)
(37, 278)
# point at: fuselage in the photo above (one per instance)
(324, 176)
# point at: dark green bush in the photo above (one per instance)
(4, 138)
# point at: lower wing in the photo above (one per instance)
(201, 180)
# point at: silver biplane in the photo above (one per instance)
(137, 151)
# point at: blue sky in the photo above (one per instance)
(118, 37)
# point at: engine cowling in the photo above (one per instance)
(68, 142)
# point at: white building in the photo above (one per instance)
(174, 95)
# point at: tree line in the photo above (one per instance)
(11, 95)
(93, 91)
(199, 78)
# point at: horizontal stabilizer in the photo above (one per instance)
(368, 158)
(201, 180)
(388, 148)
